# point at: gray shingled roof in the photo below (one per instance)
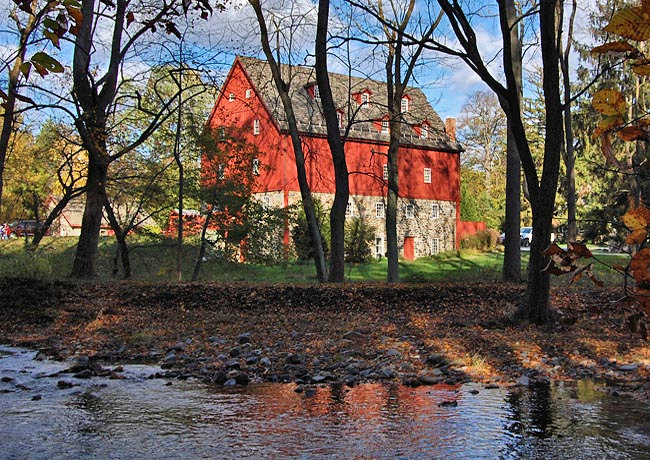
(309, 115)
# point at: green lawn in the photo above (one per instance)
(156, 261)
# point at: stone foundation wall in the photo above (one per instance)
(424, 226)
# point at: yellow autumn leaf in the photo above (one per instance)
(631, 23)
(636, 218)
(609, 102)
(614, 47)
(632, 133)
(642, 68)
(636, 237)
(639, 266)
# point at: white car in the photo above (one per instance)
(526, 235)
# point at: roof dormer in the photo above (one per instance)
(363, 97)
(312, 91)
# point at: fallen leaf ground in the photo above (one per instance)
(465, 322)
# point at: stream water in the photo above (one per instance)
(144, 418)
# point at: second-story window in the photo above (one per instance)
(222, 134)
(256, 127)
(427, 175)
(256, 166)
(385, 127)
(404, 104)
(385, 172)
(249, 93)
(231, 97)
(410, 211)
(339, 119)
(435, 210)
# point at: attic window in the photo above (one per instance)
(339, 119)
(256, 127)
(231, 97)
(365, 98)
(249, 92)
(404, 105)
(424, 131)
(256, 166)
(316, 92)
(385, 127)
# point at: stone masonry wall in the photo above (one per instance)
(424, 226)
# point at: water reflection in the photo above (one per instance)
(139, 418)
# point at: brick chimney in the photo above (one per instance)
(450, 128)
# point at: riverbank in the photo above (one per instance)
(417, 335)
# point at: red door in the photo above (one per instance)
(409, 248)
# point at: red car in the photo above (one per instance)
(24, 228)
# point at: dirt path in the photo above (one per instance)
(417, 334)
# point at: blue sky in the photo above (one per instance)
(234, 31)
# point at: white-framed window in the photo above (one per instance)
(434, 246)
(221, 171)
(427, 175)
(222, 134)
(435, 210)
(404, 105)
(410, 211)
(385, 172)
(379, 247)
(231, 97)
(339, 119)
(256, 127)
(316, 92)
(256, 166)
(365, 98)
(385, 127)
(266, 201)
(249, 93)
(380, 210)
(349, 210)
(424, 132)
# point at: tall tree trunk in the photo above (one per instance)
(569, 151)
(305, 192)
(512, 244)
(512, 247)
(392, 276)
(342, 192)
(181, 177)
(86, 254)
(120, 237)
(536, 307)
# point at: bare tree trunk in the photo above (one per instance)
(569, 153)
(512, 245)
(342, 192)
(536, 307)
(204, 241)
(120, 237)
(86, 254)
(305, 192)
(181, 178)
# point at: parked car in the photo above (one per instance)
(24, 228)
(526, 235)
